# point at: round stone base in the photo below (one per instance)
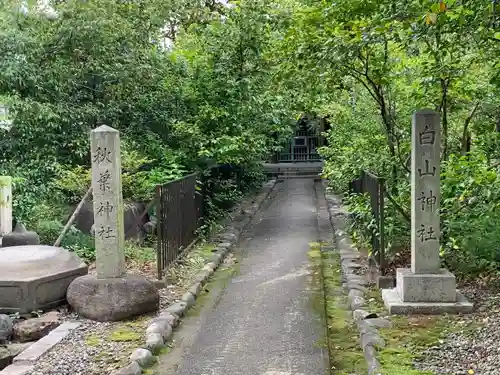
(112, 299)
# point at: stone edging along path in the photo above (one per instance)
(160, 329)
(355, 283)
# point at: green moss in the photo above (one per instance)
(220, 279)
(125, 334)
(92, 340)
(205, 250)
(345, 355)
(410, 336)
(405, 340)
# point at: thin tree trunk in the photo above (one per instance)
(72, 218)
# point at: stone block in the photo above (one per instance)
(112, 299)
(439, 287)
(396, 306)
(36, 328)
(46, 343)
(20, 237)
(385, 282)
(36, 277)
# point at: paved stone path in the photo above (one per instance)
(265, 322)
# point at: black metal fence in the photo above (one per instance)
(374, 187)
(181, 206)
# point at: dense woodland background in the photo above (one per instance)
(188, 81)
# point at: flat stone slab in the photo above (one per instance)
(396, 306)
(42, 346)
(17, 369)
(36, 277)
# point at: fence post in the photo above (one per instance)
(382, 259)
(159, 232)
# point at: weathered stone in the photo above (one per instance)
(202, 276)
(5, 205)
(178, 308)
(216, 259)
(357, 302)
(6, 328)
(222, 252)
(425, 288)
(359, 314)
(18, 369)
(210, 267)
(132, 369)
(425, 184)
(189, 299)
(143, 357)
(379, 322)
(395, 305)
(154, 341)
(108, 202)
(228, 236)
(162, 327)
(349, 255)
(10, 351)
(372, 339)
(20, 237)
(37, 349)
(355, 285)
(351, 264)
(364, 327)
(112, 299)
(39, 273)
(195, 289)
(354, 293)
(438, 287)
(226, 245)
(168, 317)
(371, 360)
(385, 282)
(36, 328)
(355, 279)
(134, 228)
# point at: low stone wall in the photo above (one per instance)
(355, 282)
(160, 329)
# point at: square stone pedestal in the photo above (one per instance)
(439, 287)
(425, 294)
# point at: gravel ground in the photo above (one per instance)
(470, 351)
(99, 348)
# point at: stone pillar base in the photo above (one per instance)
(425, 294)
(112, 299)
(439, 287)
(396, 306)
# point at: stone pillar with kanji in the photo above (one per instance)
(108, 202)
(112, 294)
(425, 288)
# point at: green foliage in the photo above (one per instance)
(210, 95)
(367, 65)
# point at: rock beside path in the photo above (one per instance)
(112, 299)
(36, 328)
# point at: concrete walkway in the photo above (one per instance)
(265, 322)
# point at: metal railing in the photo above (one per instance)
(374, 187)
(181, 206)
(179, 209)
